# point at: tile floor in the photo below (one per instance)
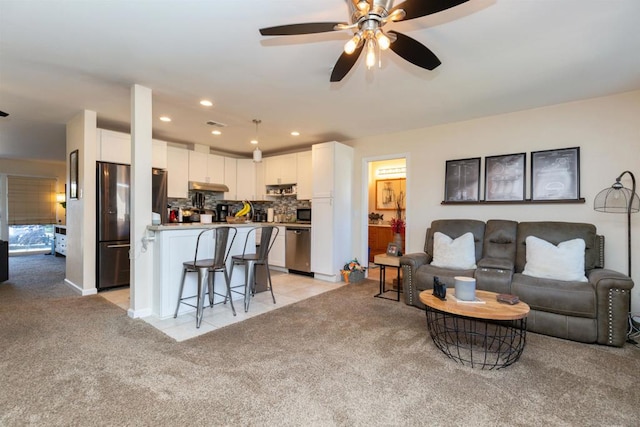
(288, 289)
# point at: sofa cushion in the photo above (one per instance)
(457, 253)
(455, 228)
(569, 298)
(556, 232)
(548, 261)
(426, 273)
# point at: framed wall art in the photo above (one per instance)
(73, 175)
(389, 192)
(462, 180)
(555, 174)
(504, 177)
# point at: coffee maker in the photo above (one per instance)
(222, 211)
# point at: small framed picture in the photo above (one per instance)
(462, 180)
(504, 177)
(73, 175)
(555, 174)
(392, 249)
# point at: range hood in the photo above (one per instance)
(207, 186)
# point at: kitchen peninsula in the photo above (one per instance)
(176, 243)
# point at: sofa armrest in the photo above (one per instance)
(613, 296)
(409, 263)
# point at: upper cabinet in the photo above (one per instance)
(115, 147)
(246, 180)
(261, 193)
(159, 154)
(305, 176)
(205, 167)
(230, 179)
(178, 173)
(280, 170)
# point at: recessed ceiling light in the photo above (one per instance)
(206, 103)
(165, 118)
(295, 133)
(254, 141)
(216, 132)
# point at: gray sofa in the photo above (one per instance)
(595, 311)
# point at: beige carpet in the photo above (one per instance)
(340, 358)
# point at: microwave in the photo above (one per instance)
(303, 215)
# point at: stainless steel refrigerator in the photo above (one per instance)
(113, 211)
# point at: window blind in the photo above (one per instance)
(31, 200)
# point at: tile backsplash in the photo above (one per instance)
(282, 205)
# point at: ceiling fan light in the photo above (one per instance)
(363, 6)
(352, 44)
(371, 53)
(383, 40)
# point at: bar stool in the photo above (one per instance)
(206, 269)
(251, 260)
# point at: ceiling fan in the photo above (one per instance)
(367, 19)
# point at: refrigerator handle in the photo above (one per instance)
(123, 245)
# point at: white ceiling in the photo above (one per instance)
(60, 57)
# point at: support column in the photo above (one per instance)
(141, 254)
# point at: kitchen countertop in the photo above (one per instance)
(197, 225)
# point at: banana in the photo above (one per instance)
(245, 209)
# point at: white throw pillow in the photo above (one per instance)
(548, 261)
(459, 253)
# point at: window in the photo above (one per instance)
(32, 213)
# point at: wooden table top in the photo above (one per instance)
(491, 309)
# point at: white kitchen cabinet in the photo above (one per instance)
(197, 166)
(277, 256)
(205, 167)
(280, 170)
(230, 171)
(215, 169)
(178, 172)
(261, 189)
(331, 207)
(158, 154)
(246, 179)
(114, 147)
(304, 179)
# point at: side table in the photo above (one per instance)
(384, 261)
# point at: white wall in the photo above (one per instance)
(81, 213)
(606, 129)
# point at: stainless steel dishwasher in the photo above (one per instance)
(298, 250)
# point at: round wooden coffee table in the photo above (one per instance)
(489, 334)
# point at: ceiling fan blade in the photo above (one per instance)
(414, 51)
(345, 63)
(296, 29)
(418, 8)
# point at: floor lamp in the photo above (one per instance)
(618, 199)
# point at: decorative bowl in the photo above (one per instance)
(236, 219)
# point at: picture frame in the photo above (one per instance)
(462, 180)
(388, 191)
(73, 174)
(505, 177)
(392, 249)
(555, 174)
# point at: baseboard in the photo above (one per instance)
(135, 314)
(79, 290)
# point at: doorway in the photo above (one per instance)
(385, 184)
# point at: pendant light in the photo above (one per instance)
(257, 153)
